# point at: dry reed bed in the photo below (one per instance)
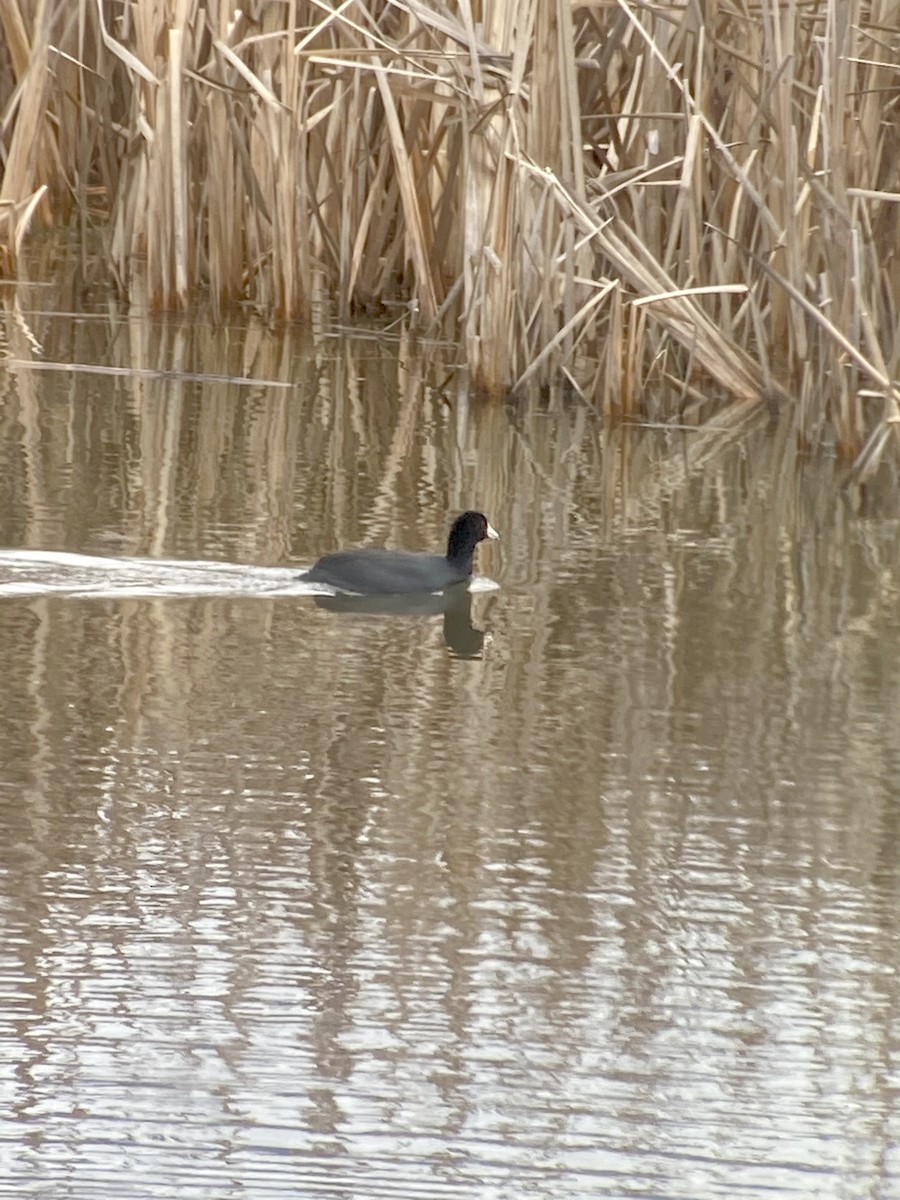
(616, 193)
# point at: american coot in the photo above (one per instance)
(371, 572)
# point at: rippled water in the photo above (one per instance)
(590, 889)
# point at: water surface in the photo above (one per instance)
(588, 890)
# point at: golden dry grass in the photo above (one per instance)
(619, 194)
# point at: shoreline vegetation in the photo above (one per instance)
(697, 197)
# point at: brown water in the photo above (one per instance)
(293, 902)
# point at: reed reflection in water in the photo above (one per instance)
(305, 902)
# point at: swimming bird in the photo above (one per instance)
(375, 572)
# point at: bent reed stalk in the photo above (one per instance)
(618, 194)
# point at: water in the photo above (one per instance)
(589, 889)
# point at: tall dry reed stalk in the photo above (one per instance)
(619, 194)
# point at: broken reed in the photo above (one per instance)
(620, 194)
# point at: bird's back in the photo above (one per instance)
(385, 572)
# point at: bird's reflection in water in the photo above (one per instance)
(454, 603)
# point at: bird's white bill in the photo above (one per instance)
(492, 532)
